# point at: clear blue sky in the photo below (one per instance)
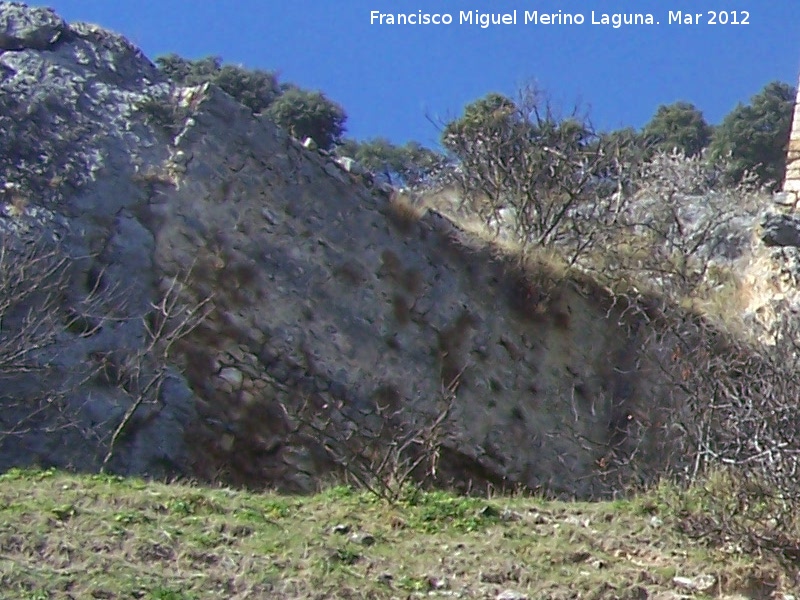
(388, 78)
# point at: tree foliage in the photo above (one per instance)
(411, 165)
(309, 114)
(755, 136)
(254, 88)
(678, 127)
(522, 164)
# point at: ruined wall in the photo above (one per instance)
(321, 294)
(327, 293)
(792, 182)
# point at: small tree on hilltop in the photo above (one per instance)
(522, 166)
(678, 127)
(411, 165)
(254, 88)
(303, 113)
(309, 114)
(755, 136)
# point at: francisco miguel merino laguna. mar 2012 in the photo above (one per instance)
(528, 17)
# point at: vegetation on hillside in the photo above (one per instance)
(543, 175)
(303, 113)
(101, 536)
(756, 136)
(751, 140)
(678, 127)
(410, 165)
(254, 88)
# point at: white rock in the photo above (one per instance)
(231, 375)
(350, 165)
(511, 595)
(701, 583)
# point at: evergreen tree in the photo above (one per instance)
(754, 137)
(679, 126)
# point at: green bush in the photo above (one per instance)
(303, 113)
(254, 88)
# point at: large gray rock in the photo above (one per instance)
(781, 230)
(75, 151)
(22, 27)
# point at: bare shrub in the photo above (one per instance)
(43, 314)
(527, 169)
(680, 232)
(142, 374)
(33, 282)
(543, 180)
(734, 413)
(382, 452)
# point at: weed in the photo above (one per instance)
(163, 112)
(163, 593)
(413, 584)
(339, 492)
(130, 517)
(346, 556)
(16, 474)
(436, 511)
(403, 213)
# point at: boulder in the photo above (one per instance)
(25, 28)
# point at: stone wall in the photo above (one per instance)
(792, 182)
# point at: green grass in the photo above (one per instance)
(67, 536)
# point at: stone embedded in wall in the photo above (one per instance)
(781, 230)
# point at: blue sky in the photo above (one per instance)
(390, 79)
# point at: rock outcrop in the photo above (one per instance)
(220, 281)
(72, 157)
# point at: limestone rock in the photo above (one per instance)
(511, 595)
(350, 165)
(232, 375)
(74, 144)
(701, 583)
(24, 28)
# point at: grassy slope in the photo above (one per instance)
(65, 536)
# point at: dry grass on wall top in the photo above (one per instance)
(402, 212)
